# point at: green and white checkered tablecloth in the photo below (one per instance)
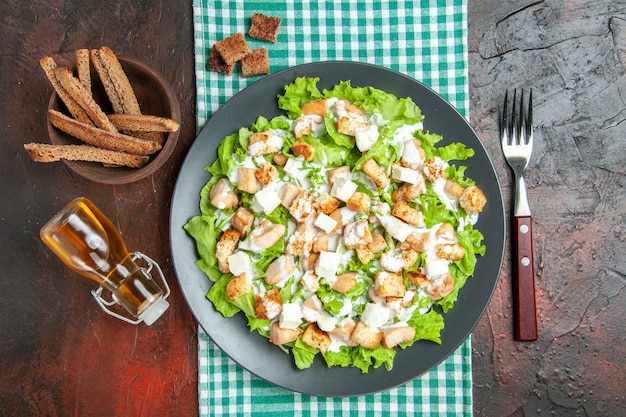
(426, 40)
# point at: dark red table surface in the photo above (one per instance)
(60, 355)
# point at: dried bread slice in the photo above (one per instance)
(125, 92)
(264, 27)
(43, 152)
(143, 123)
(217, 64)
(255, 63)
(109, 87)
(83, 98)
(233, 48)
(102, 138)
(82, 68)
(48, 65)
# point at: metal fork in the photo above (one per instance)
(516, 134)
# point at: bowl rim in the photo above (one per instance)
(95, 171)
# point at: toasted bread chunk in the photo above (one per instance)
(326, 203)
(256, 62)
(143, 123)
(225, 247)
(264, 27)
(364, 253)
(239, 285)
(41, 152)
(473, 200)
(268, 305)
(366, 336)
(408, 214)
(48, 65)
(450, 251)
(316, 338)
(266, 174)
(375, 172)
(348, 125)
(389, 284)
(216, 63)
(82, 68)
(359, 202)
(233, 48)
(102, 138)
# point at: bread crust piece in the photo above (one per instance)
(233, 48)
(48, 65)
(102, 138)
(264, 27)
(43, 152)
(83, 98)
(82, 68)
(143, 123)
(109, 87)
(125, 91)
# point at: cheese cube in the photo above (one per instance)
(325, 222)
(366, 137)
(293, 166)
(327, 264)
(398, 229)
(375, 315)
(239, 262)
(343, 189)
(435, 266)
(266, 200)
(290, 316)
(402, 174)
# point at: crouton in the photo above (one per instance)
(247, 181)
(417, 277)
(326, 203)
(268, 306)
(264, 27)
(302, 206)
(434, 169)
(242, 220)
(374, 171)
(222, 195)
(310, 280)
(408, 214)
(280, 336)
(393, 336)
(257, 62)
(300, 242)
(301, 148)
(366, 336)
(472, 200)
(389, 284)
(450, 251)
(364, 253)
(348, 125)
(344, 282)
(419, 242)
(225, 247)
(280, 159)
(409, 192)
(233, 48)
(302, 127)
(316, 338)
(409, 257)
(357, 233)
(279, 269)
(239, 285)
(359, 202)
(266, 174)
(262, 143)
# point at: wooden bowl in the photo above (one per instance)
(155, 97)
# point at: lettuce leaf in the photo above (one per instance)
(302, 90)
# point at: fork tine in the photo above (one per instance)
(529, 121)
(504, 122)
(521, 123)
(514, 122)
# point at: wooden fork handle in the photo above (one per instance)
(524, 280)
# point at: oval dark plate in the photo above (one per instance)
(255, 353)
